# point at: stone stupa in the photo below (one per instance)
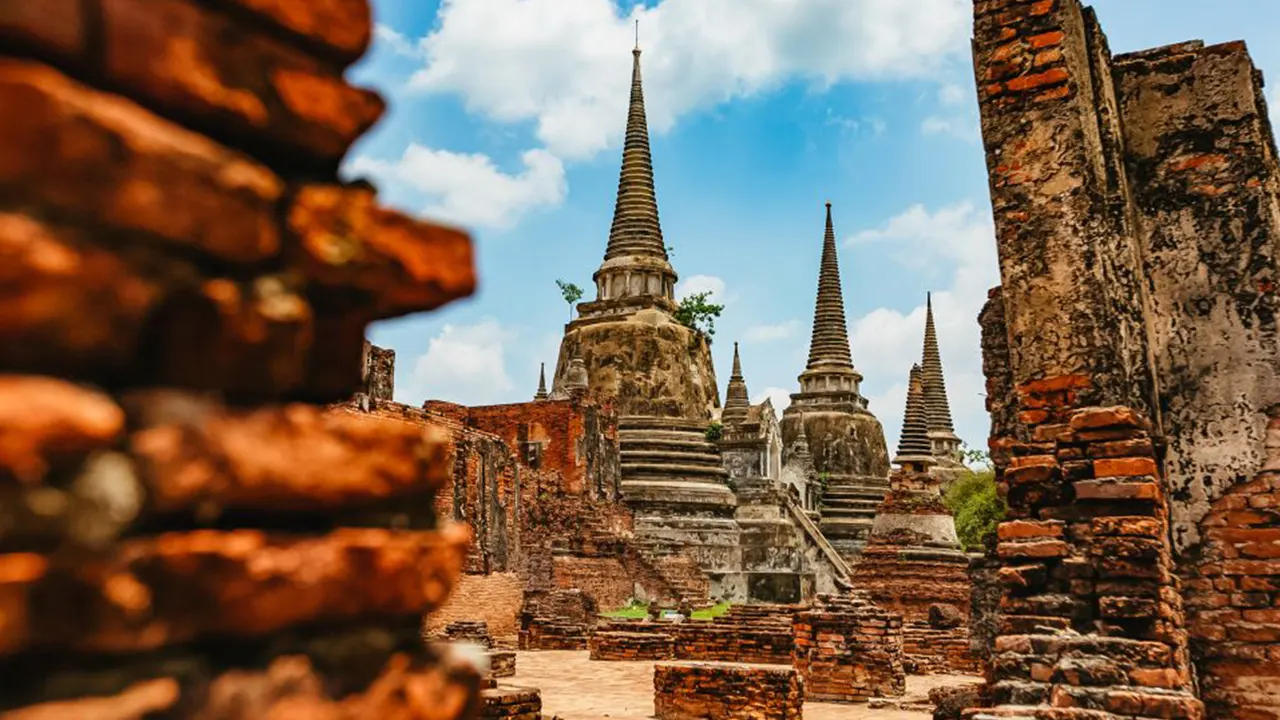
(660, 375)
(846, 442)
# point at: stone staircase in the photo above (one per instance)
(666, 449)
(849, 510)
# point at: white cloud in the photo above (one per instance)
(770, 333)
(695, 284)
(465, 364)
(781, 398)
(959, 127)
(468, 188)
(951, 94)
(886, 342)
(395, 40)
(561, 65)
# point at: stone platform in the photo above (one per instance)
(726, 691)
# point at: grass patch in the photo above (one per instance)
(639, 611)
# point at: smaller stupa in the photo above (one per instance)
(541, 394)
(943, 441)
(913, 562)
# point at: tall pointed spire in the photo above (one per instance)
(736, 400)
(636, 230)
(935, 388)
(542, 383)
(830, 343)
(914, 447)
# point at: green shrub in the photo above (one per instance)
(714, 432)
(977, 506)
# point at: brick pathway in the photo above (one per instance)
(574, 688)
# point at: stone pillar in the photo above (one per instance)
(1086, 558)
(1202, 164)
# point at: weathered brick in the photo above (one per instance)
(1106, 490)
(1124, 467)
(193, 452)
(250, 340)
(67, 306)
(45, 422)
(178, 587)
(1109, 417)
(174, 55)
(1039, 549)
(1019, 529)
(344, 240)
(105, 160)
(343, 28)
(56, 27)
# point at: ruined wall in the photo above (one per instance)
(577, 439)
(1160, 165)
(495, 599)
(379, 372)
(183, 535)
(1202, 164)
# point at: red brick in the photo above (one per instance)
(1109, 417)
(44, 421)
(1122, 448)
(344, 240)
(1020, 529)
(343, 27)
(192, 451)
(1124, 467)
(105, 160)
(174, 54)
(244, 583)
(1031, 474)
(1055, 384)
(1101, 490)
(1041, 549)
(1047, 39)
(1054, 76)
(250, 340)
(1043, 7)
(1137, 525)
(49, 26)
(67, 307)
(1032, 417)
(1047, 57)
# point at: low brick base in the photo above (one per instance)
(726, 691)
(927, 650)
(765, 644)
(511, 703)
(630, 646)
(849, 650)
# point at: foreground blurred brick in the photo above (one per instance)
(181, 272)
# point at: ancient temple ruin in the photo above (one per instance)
(1132, 371)
(829, 423)
(943, 442)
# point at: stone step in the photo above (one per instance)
(668, 457)
(870, 505)
(634, 422)
(673, 471)
(876, 494)
(683, 444)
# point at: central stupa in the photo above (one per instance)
(660, 374)
(847, 443)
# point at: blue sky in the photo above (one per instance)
(506, 118)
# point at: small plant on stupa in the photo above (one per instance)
(571, 294)
(698, 313)
(714, 431)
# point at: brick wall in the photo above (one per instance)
(605, 579)
(186, 534)
(849, 650)
(723, 691)
(495, 599)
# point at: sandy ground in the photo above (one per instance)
(574, 688)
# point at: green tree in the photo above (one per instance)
(975, 456)
(571, 294)
(697, 313)
(978, 508)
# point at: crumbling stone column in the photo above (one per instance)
(185, 533)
